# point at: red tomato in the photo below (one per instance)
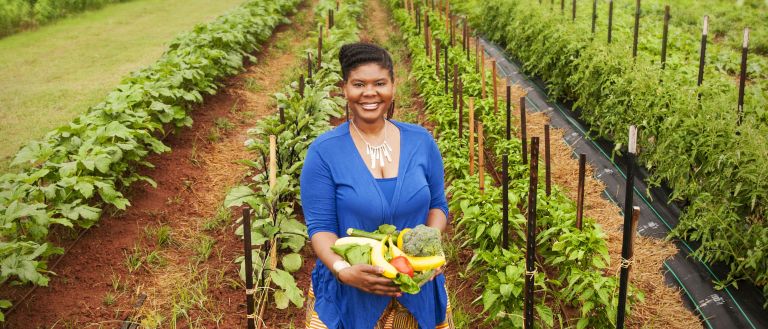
(402, 265)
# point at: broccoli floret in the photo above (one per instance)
(422, 241)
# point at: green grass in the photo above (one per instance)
(51, 75)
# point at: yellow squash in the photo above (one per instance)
(419, 263)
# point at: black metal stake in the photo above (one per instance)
(547, 165)
(610, 20)
(594, 15)
(580, 191)
(281, 111)
(504, 201)
(523, 132)
(530, 241)
(743, 74)
(562, 6)
(703, 54)
(249, 291)
(636, 29)
(573, 11)
(665, 38)
(330, 19)
(628, 199)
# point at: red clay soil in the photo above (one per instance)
(192, 181)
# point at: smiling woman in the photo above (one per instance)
(365, 173)
(53, 74)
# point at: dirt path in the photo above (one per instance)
(175, 244)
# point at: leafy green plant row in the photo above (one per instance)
(76, 170)
(306, 116)
(571, 263)
(16, 15)
(719, 168)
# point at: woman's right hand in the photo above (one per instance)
(369, 279)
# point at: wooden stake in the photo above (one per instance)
(471, 136)
(477, 55)
(437, 57)
(427, 44)
(301, 85)
(495, 91)
(453, 30)
(580, 190)
(309, 67)
(547, 165)
(481, 156)
(456, 90)
(461, 108)
(320, 48)
(272, 160)
(482, 72)
(445, 61)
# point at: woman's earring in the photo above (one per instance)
(391, 110)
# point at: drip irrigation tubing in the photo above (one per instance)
(726, 308)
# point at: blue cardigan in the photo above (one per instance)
(339, 192)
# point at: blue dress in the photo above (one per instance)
(338, 192)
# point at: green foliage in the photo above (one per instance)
(577, 259)
(78, 169)
(719, 168)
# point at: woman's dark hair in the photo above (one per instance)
(353, 55)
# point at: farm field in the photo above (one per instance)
(52, 74)
(133, 212)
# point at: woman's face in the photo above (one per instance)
(369, 91)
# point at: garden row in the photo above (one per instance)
(16, 15)
(572, 286)
(692, 138)
(306, 108)
(70, 176)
